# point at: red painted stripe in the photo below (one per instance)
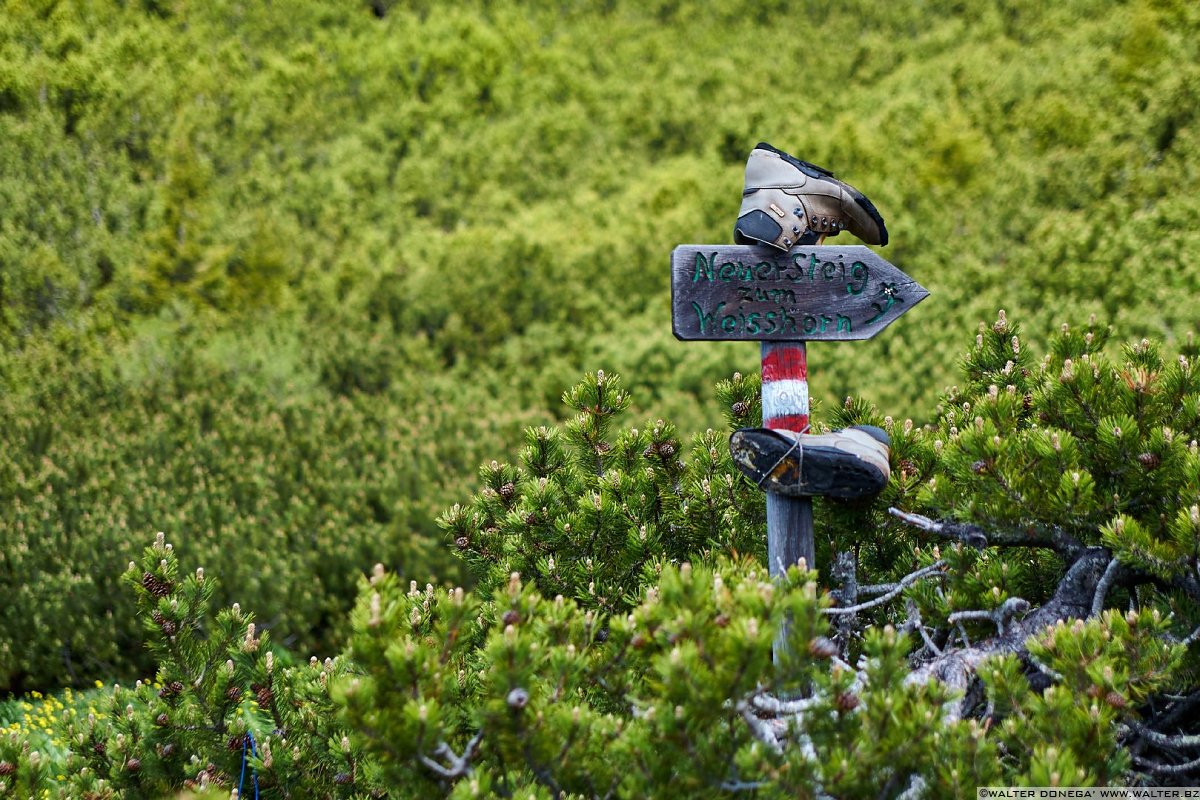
(785, 363)
(788, 422)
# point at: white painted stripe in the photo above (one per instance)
(784, 397)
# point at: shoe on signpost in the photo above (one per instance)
(788, 202)
(848, 463)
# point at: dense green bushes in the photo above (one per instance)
(342, 236)
(1025, 638)
(288, 497)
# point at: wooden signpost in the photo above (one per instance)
(816, 292)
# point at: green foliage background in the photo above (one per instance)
(278, 277)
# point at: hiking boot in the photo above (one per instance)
(788, 202)
(852, 462)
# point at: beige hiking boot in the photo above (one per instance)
(852, 462)
(788, 202)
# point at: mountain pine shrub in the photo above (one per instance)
(1019, 634)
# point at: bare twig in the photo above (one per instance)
(916, 788)
(892, 592)
(1106, 581)
(914, 622)
(1191, 639)
(459, 766)
(742, 786)
(759, 727)
(768, 704)
(1042, 668)
(1167, 768)
(1179, 742)
(1053, 536)
(1001, 617)
(967, 534)
(845, 572)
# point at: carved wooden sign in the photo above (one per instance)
(819, 292)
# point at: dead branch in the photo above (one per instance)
(1106, 582)
(1052, 536)
(891, 589)
(957, 667)
(1001, 616)
(459, 766)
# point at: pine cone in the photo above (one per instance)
(343, 778)
(740, 408)
(263, 695)
(133, 765)
(846, 701)
(6, 768)
(666, 449)
(162, 719)
(154, 586)
(233, 694)
(511, 617)
(237, 742)
(1149, 460)
(172, 689)
(507, 491)
(99, 748)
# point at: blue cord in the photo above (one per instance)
(253, 773)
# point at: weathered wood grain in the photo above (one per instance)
(819, 292)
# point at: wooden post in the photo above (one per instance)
(785, 407)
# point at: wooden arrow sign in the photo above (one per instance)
(819, 292)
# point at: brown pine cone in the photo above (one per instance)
(154, 586)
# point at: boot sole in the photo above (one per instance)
(832, 465)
